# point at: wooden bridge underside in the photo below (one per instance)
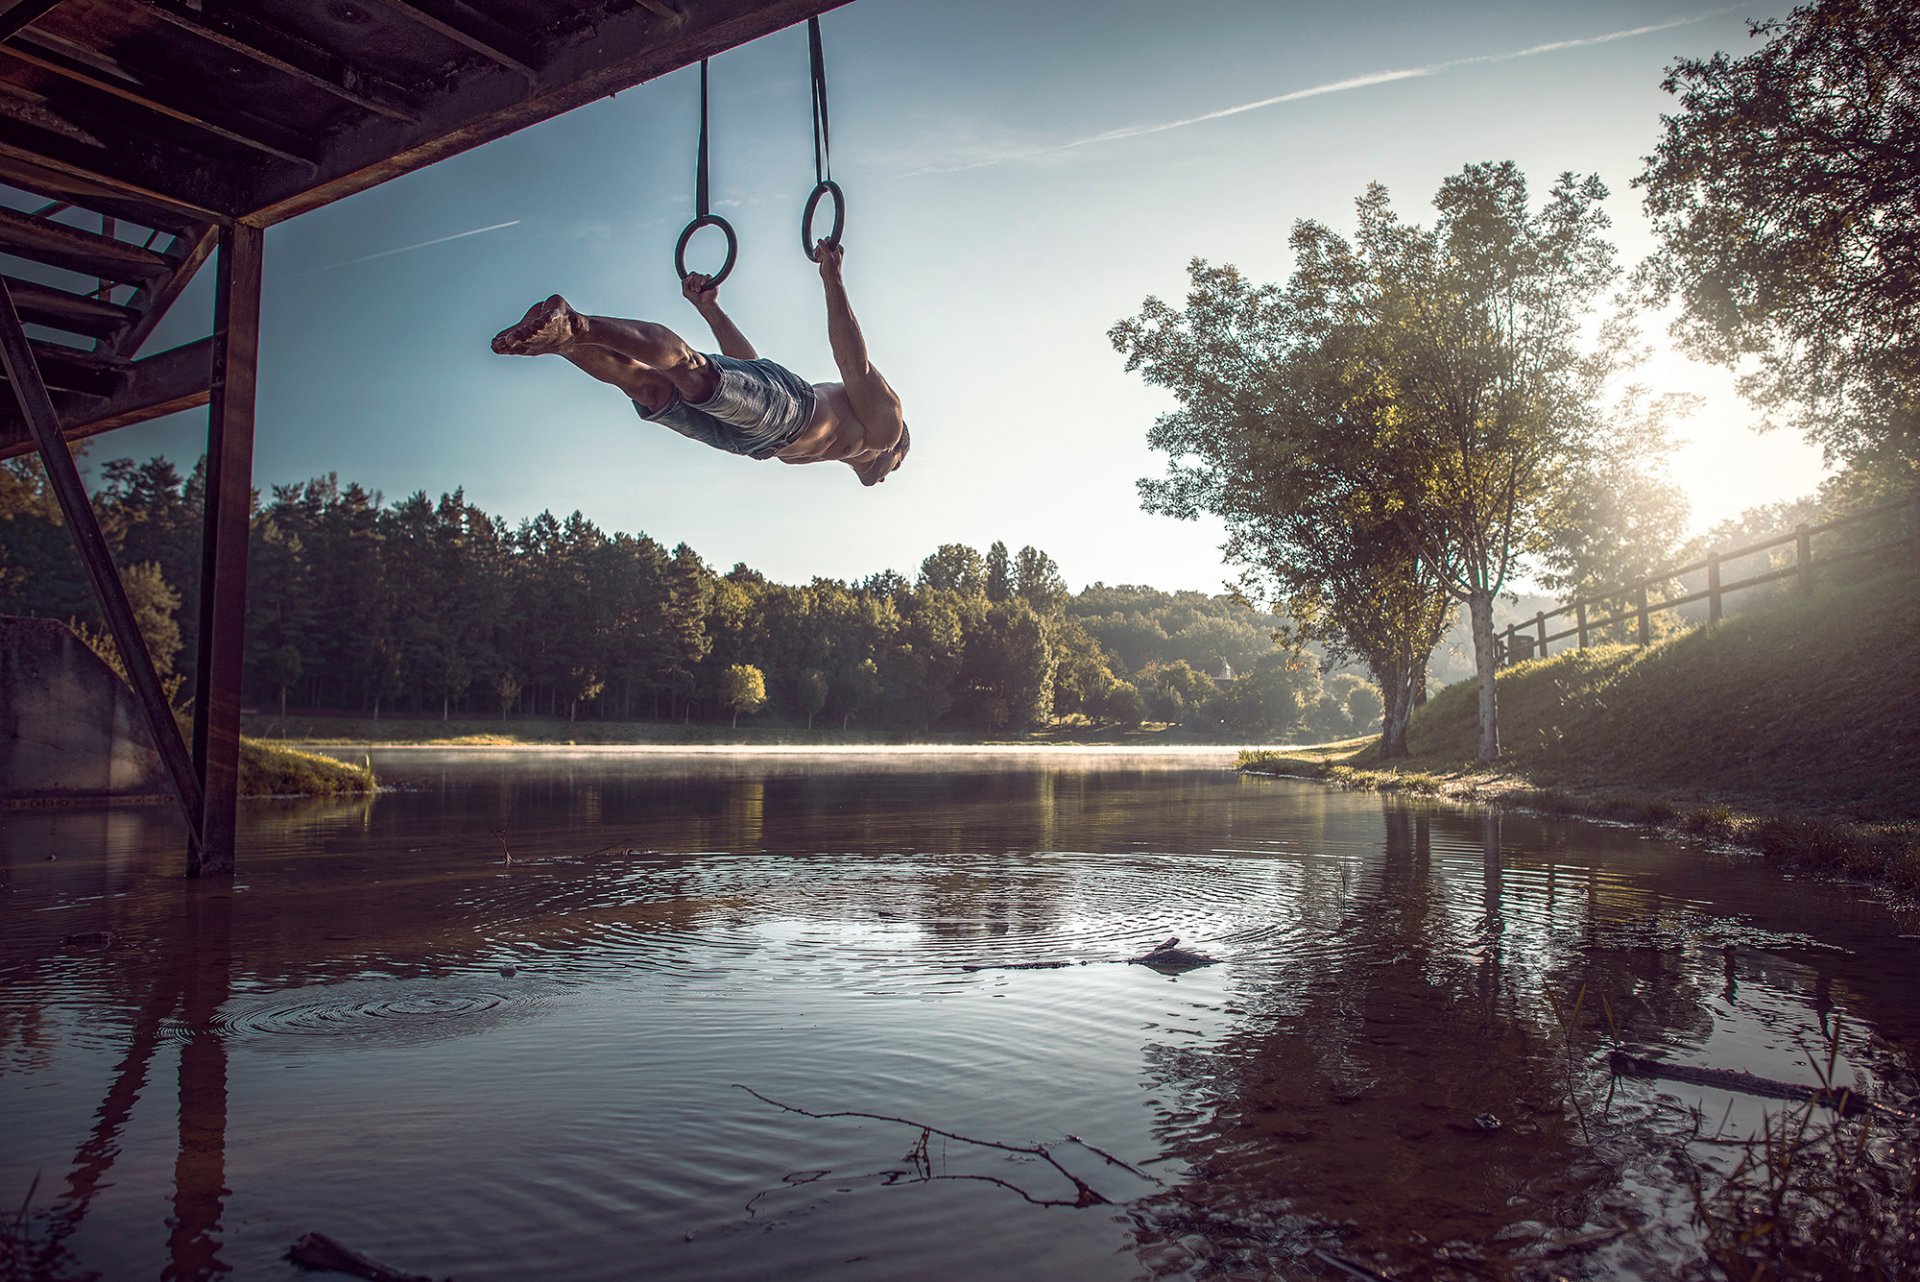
(141, 139)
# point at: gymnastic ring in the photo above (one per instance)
(828, 187)
(707, 220)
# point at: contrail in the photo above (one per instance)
(1332, 86)
(404, 249)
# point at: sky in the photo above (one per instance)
(1019, 177)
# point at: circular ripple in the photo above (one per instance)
(385, 1012)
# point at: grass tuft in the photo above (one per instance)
(273, 770)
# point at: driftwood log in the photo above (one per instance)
(1166, 958)
(1844, 1102)
(318, 1251)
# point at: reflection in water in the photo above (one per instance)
(387, 1032)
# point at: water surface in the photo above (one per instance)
(494, 1025)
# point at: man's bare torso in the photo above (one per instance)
(835, 433)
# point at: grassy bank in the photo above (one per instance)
(275, 770)
(432, 732)
(1794, 730)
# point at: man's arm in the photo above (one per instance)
(873, 398)
(705, 297)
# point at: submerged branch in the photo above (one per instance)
(1845, 1102)
(1085, 1194)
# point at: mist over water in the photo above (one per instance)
(490, 1025)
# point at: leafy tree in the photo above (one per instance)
(1361, 701)
(954, 567)
(154, 604)
(1786, 196)
(813, 693)
(746, 690)
(1123, 705)
(1285, 433)
(1268, 701)
(1477, 336)
(689, 593)
(1037, 581)
(999, 583)
(1176, 692)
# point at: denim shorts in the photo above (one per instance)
(758, 409)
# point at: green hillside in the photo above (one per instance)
(1809, 705)
(1793, 726)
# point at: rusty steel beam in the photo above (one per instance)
(173, 381)
(71, 494)
(624, 49)
(223, 572)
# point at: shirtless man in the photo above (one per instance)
(733, 400)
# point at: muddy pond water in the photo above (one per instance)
(495, 1025)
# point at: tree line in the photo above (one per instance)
(435, 607)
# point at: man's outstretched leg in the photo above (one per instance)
(645, 387)
(552, 326)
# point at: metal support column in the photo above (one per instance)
(77, 510)
(223, 572)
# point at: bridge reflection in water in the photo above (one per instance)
(466, 1066)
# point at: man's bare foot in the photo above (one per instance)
(547, 327)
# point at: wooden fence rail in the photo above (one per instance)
(1522, 641)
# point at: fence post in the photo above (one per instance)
(1509, 652)
(1580, 621)
(1803, 552)
(1540, 631)
(1713, 587)
(1640, 595)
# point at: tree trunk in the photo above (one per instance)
(1480, 613)
(446, 707)
(283, 705)
(1396, 709)
(736, 718)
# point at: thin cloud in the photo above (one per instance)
(404, 249)
(1365, 81)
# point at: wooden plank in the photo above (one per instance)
(469, 28)
(74, 313)
(18, 15)
(77, 250)
(168, 383)
(624, 49)
(156, 297)
(223, 575)
(64, 478)
(81, 66)
(240, 32)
